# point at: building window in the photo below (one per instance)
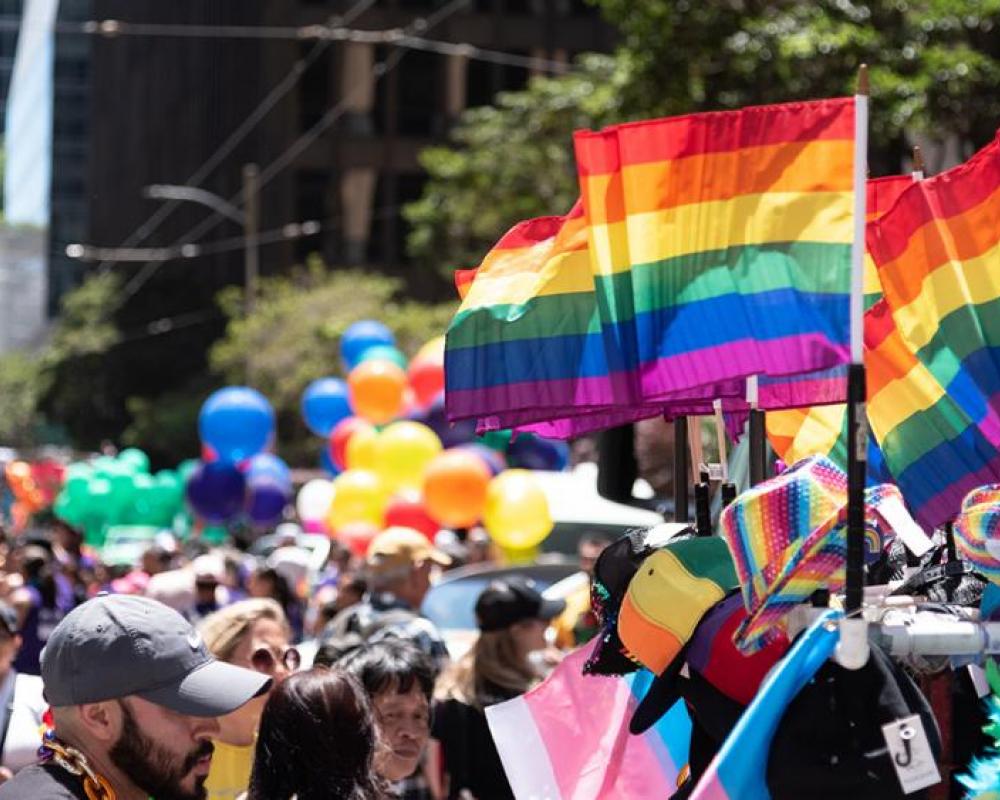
(418, 93)
(314, 88)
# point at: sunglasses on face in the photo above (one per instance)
(265, 660)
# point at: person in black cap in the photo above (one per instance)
(512, 618)
(134, 695)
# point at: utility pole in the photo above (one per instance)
(251, 228)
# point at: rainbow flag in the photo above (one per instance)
(525, 349)
(934, 350)
(738, 771)
(568, 738)
(818, 429)
(721, 242)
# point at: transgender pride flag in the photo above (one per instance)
(568, 739)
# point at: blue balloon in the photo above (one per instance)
(216, 491)
(267, 467)
(236, 423)
(359, 337)
(326, 462)
(266, 501)
(325, 402)
(528, 451)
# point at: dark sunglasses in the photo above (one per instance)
(264, 660)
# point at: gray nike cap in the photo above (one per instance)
(119, 645)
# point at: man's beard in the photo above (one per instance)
(152, 768)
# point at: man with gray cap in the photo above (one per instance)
(134, 696)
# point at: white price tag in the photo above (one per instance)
(911, 754)
(716, 473)
(978, 675)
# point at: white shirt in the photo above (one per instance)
(23, 734)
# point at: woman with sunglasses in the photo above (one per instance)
(255, 634)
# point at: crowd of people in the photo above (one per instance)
(205, 672)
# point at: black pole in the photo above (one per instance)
(728, 493)
(857, 457)
(702, 509)
(758, 447)
(681, 467)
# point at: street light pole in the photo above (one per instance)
(251, 224)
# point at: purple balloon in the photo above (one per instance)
(451, 435)
(266, 501)
(216, 491)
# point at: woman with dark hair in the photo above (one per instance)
(399, 680)
(317, 741)
(41, 602)
(268, 582)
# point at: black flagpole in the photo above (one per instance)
(681, 468)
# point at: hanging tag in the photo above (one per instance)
(716, 472)
(861, 434)
(979, 682)
(906, 528)
(911, 754)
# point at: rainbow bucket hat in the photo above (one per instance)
(977, 530)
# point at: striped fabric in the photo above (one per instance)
(721, 242)
(934, 346)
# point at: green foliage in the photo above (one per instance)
(293, 336)
(21, 386)
(934, 63)
(509, 162)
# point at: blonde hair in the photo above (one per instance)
(224, 629)
(494, 661)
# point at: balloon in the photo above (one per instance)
(266, 501)
(432, 349)
(455, 488)
(494, 461)
(533, 452)
(341, 435)
(358, 496)
(216, 491)
(406, 512)
(402, 452)
(451, 435)
(186, 469)
(236, 422)
(136, 458)
(326, 463)
(377, 390)
(314, 499)
(517, 512)
(360, 450)
(386, 352)
(325, 402)
(267, 466)
(359, 337)
(357, 536)
(426, 376)
(68, 509)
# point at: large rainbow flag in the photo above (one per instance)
(934, 347)
(525, 348)
(721, 242)
(568, 739)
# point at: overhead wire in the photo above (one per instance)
(268, 173)
(242, 130)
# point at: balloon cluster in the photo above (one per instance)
(397, 461)
(34, 487)
(119, 490)
(235, 475)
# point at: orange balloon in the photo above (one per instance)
(455, 488)
(376, 388)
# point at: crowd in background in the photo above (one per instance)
(365, 698)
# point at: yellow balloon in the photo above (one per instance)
(434, 348)
(402, 452)
(517, 512)
(359, 497)
(360, 450)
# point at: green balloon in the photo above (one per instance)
(186, 469)
(69, 509)
(136, 458)
(386, 352)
